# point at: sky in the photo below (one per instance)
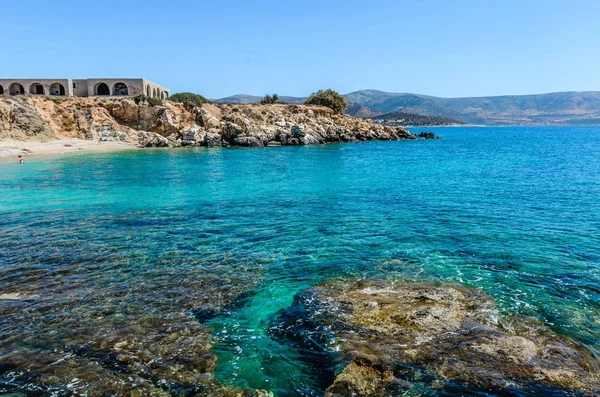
(452, 48)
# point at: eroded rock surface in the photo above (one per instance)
(405, 337)
(212, 125)
(19, 121)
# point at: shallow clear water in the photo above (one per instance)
(149, 234)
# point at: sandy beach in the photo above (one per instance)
(10, 149)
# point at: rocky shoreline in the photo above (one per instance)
(169, 124)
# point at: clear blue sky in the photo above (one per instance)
(446, 48)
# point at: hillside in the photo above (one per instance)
(361, 111)
(412, 119)
(560, 108)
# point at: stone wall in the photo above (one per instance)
(80, 87)
(57, 87)
(116, 87)
(154, 90)
(83, 87)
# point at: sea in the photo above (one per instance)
(97, 248)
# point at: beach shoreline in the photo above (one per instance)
(11, 149)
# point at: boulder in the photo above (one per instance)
(152, 139)
(167, 121)
(192, 137)
(207, 120)
(297, 131)
(448, 337)
(230, 131)
(124, 110)
(426, 135)
(283, 136)
(308, 139)
(211, 139)
(247, 141)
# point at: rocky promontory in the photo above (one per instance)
(408, 338)
(154, 123)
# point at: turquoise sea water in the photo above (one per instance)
(514, 211)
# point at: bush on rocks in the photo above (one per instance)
(188, 98)
(329, 98)
(270, 99)
(149, 100)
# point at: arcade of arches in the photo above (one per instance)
(83, 87)
(157, 93)
(35, 89)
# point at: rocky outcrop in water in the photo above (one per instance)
(418, 337)
(174, 124)
(426, 135)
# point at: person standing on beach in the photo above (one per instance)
(21, 159)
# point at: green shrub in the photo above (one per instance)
(270, 99)
(189, 98)
(330, 98)
(150, 101)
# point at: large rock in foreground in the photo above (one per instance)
(420, 336)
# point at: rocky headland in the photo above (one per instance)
(381, 338)
(153, 123)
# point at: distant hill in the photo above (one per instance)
(385, 102)
(560, 108)
(356, 110)
(239, 98)
(246, 99)
(395, 119)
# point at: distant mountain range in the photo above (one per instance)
(560, 108)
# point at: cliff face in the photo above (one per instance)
(176, 124)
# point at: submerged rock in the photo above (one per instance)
(396, 337)
(96, 336)
(426, 135)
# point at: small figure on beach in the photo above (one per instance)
(21, 159)
(104, 136)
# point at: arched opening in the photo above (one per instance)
(57, 89)
(101, 89)
(120, 89)
(147, 90)
(16, 89)
(1, 90)
(36, 89)
(164, 95)
(154, 93)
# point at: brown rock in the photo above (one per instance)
(390, 332)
